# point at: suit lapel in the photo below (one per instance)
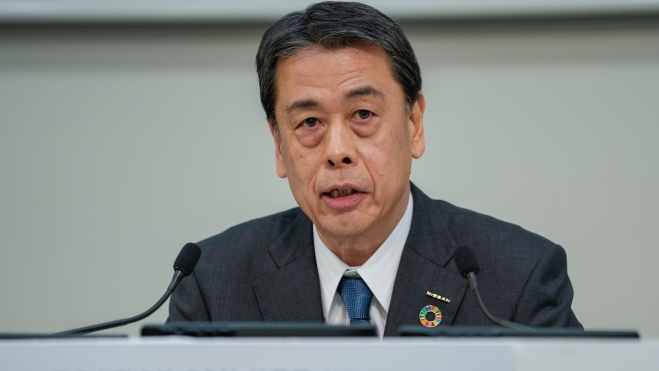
(292, 292)
(424, 267)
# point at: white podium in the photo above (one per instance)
(326, 354)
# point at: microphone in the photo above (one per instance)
(467, 264)
(183, 265)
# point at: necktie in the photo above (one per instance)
(357, 298)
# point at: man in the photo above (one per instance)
(341, 89)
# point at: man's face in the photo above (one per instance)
(346, 139)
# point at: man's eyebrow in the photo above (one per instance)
(367, 90)
(359, 92)
(301, 104)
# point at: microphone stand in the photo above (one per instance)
(471, 276)
(178, 276)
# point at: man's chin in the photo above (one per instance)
(343, 226)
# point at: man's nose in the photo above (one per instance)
(340, 146)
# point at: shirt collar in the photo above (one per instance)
(379, 271)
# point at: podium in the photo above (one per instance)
(178, 353)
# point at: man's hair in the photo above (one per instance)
(334, 25)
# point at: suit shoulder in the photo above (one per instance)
(485, 233)
(252, 233)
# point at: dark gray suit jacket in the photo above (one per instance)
(265, 270)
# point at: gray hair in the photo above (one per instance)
(335, 25)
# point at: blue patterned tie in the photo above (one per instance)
(357, 298)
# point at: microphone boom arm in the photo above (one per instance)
(178, 276)
(471, 276)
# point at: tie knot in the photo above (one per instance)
(357, 298)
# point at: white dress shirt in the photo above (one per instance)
(379, 273)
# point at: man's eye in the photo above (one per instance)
(310, 122)
(363, 114)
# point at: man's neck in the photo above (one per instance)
(356, 250)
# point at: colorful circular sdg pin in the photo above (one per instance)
(430, 316)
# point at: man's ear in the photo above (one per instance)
(416, 127)
(279, 157)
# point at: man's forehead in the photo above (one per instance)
(314, 57)
(355, 68)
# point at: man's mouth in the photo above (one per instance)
(342, 197)
(335, 193)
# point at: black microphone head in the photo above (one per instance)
(187, 258)
(466, 260)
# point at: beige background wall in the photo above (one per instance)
(120, 144)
